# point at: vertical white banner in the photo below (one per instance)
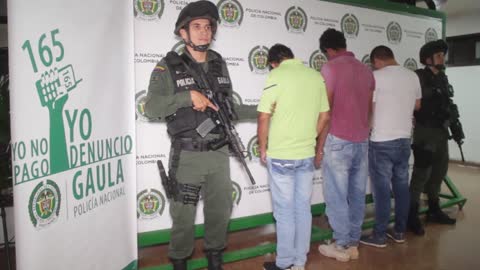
(247, 29)
(73, 134)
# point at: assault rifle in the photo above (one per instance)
(454, 125)
(221, 118)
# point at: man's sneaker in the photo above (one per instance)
(333, 251)
(396, 236)
(296, 267)
(273, 266)
(353, 252)
(373, 240)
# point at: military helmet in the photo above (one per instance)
(197, 10)
(431, 48)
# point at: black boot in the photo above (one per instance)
(179, 264)
(436, 215)
(215, 260)
(414, 224)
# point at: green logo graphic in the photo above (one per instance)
(430, 35)
(237, 99)
(394, 33)
(253, 149)
(296, 20)
(53, 89)
(148, 9)
(366, 61)
(44, 203)
(411, 64)
(317, 60)
(231, 13)
(350, 25)
(179, 47)
(258, 60)
(236, 193)
(150, 204)
(139, 101)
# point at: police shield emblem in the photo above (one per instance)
(258, 60)
(231, 13)
(150, 204)
(430, 35)
(296, 20)
(317, 60)
(44, 204)
(411, 64)
(253, 149)
(148, 9)
(394, 33)
(350, 25)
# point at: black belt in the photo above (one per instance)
(189, 144)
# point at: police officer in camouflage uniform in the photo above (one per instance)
(430, 136)
(177, 94)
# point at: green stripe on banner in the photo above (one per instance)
(131, 266)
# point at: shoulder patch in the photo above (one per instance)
(270, 86)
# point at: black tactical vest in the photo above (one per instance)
(435, 99)
(184, 121)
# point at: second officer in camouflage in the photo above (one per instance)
(438, 115)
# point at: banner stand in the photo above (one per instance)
(318, 234)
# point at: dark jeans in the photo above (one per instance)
(388, 163)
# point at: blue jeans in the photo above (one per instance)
(291, 183)
(345, 173)
(388, 163)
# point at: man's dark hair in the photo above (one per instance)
(278, 53)
(332, 39)
(381, 52)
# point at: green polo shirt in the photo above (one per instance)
(299, 95)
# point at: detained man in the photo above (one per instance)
(293, 110)
(397, 94)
